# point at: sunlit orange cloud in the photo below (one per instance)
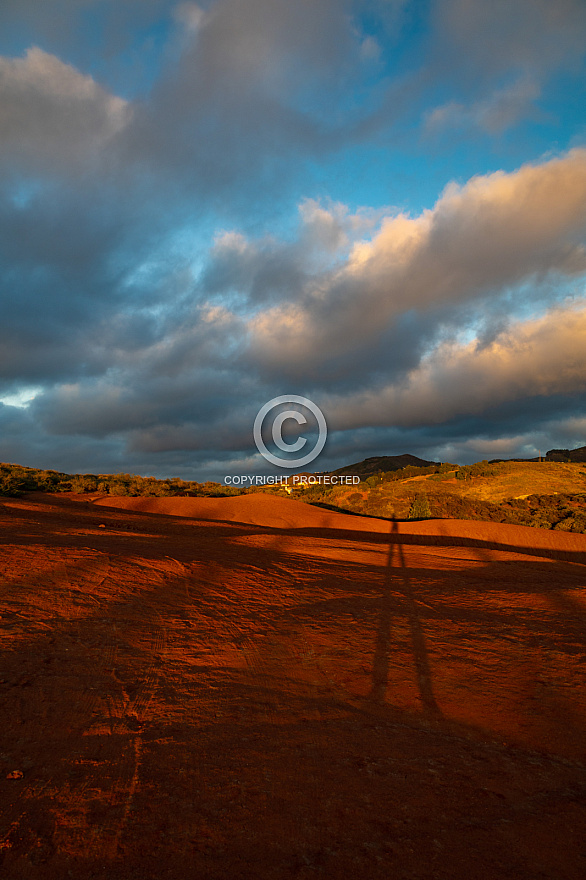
(478, 240)
(538, 357)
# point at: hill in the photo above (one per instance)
(575, 455)
(383, 463)
(254, 509)
(563, 455)
(275, 512)
(549, 495)
(546, 494)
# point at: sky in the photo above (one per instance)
(379, 205)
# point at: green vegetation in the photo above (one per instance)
(15, 479)
(480, 469)
(547, 495)
(420, 508)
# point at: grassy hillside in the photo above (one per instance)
(541, 494)
(508, 480)
(549, 495)
(16, 479)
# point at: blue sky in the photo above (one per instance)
(380, 205)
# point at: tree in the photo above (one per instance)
(419, 508)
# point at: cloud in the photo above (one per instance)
(536, 358)
(254, 94)
(529, 36)
(480, 240)
(243, 79)
(268, 269)
(501, 110)
(190, 15)
(69, 301)
(91, 34)
(249, 90)
(51, 115)
(498, 57)
(157, 285)
(378, 319)
(370, 49)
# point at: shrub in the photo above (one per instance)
(419, 508)
(11, 486)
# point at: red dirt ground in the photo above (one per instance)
(255, 688)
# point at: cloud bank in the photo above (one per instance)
(235, 221)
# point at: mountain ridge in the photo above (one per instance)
(378, 464)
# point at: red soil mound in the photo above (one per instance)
(288, 513)
(256, 509)
(269, 690)
(500, 535)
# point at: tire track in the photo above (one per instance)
(114, 772)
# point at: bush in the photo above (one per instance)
(82, 484)
(419, 508)
(11, 487)
(576, 523)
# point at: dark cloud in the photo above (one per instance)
(529, 36)
(371, 328)
(156, 292)
(506, 51)
(259, 90)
